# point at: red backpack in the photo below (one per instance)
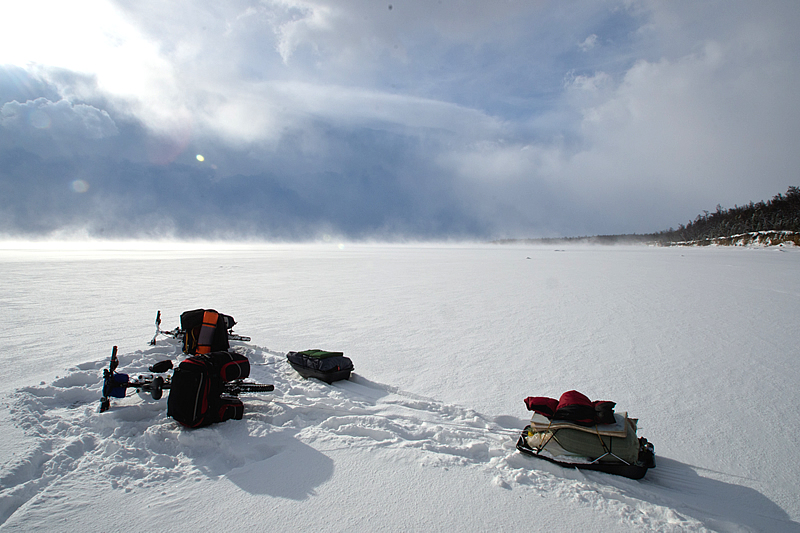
(196, 396)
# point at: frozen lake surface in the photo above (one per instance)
(700, 344)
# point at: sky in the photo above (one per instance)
(356, 119)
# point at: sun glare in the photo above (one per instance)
(90, 37)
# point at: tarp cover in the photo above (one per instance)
(573, 440)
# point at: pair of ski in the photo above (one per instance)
(115, 384)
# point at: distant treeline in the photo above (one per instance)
(781, 214)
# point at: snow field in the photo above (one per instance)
(283, 448)
(699, 344)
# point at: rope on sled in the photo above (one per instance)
(606, 449)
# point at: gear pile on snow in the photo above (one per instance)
(572, 431)
(204, 388)
(577, 432)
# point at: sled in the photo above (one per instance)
(575, 432)
(630, 463)
(320, 364)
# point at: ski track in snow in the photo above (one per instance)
(135, 445)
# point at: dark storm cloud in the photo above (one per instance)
(62, 173)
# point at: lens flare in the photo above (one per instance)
(39, 119)
(80, 186)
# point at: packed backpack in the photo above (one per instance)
(205, 331)
(196, 398)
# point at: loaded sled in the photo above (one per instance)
(575, 432)
(321, 364)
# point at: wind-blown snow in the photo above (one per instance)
(699, 344)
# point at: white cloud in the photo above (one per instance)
(58, 119)
(502, 163)
(588, 43)
(704, 124)
(353, 27)
(663, 141)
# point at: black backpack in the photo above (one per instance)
(205, 331)
(196, 396)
